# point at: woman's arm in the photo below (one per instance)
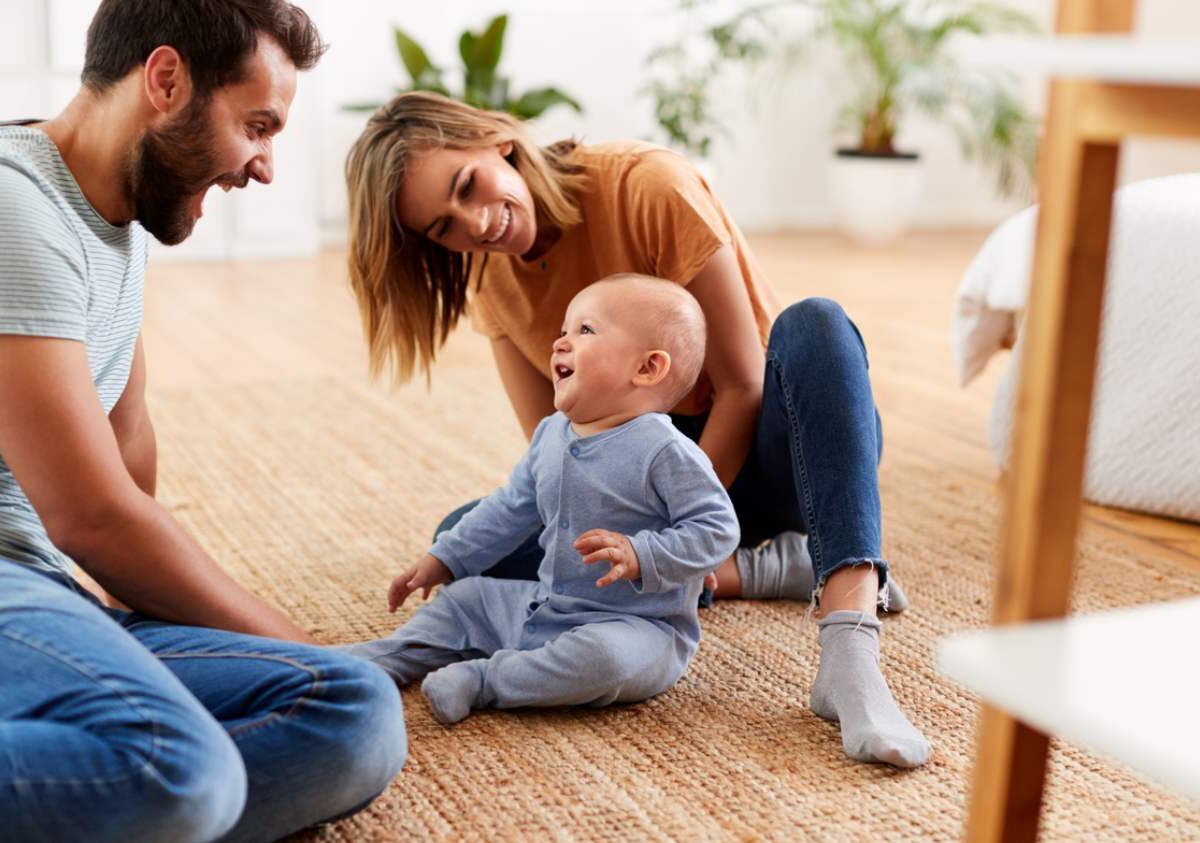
(529, 390)
(734, 363)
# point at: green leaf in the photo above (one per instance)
(416, 61)
(481, 53)
(533, 103)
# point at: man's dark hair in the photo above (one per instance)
(214, 37)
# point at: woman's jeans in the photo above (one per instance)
(813, 466)
(114, 726)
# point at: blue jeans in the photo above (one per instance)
(115, 726)
(813, 466)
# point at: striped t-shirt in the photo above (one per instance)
(67, 273)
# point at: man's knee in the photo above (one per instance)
(364, 745)
(197, 796)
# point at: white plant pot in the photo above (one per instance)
(874, 197)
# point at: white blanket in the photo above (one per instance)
(1144, 443)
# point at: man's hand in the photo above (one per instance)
(424, 575)
(615, 549)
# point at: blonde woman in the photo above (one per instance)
(449, 202)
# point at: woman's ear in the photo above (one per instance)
(653, 368)
(506, 149)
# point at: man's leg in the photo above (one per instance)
(98, 740)
(620, 660)
(321, 733)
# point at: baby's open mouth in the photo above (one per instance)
(561, 373)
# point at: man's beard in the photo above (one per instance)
(171, 166)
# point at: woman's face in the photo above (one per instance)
(468, 200)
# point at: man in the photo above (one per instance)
(176, 720)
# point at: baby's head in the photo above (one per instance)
(630, 344)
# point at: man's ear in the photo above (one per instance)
(167, 82)
(653, 368)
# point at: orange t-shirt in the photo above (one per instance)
(645, 209)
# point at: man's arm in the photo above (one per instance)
(65, 454)
(130, 421)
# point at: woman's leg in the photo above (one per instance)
(815, 460)
(521, 564)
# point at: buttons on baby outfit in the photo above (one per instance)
(574, 450)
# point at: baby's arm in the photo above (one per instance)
(704, 530)
(495, 527)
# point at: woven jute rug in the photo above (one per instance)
(314, 494)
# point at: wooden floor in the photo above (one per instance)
(227, 324)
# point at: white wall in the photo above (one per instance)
(770, 170)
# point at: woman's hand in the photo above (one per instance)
(614, 548)
(427, 573)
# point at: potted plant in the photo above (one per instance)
(482, 85)
(898, 64)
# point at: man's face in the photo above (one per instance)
(222, 141)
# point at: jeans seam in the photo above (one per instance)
(315, 686)
(155, 734)
(814, 541)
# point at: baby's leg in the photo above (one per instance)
(468, 619)
(620, 660)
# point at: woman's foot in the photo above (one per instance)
(781, 569)
(850, 690)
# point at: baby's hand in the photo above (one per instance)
(424, 575)
(615, 549)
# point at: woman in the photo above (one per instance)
(446, 198)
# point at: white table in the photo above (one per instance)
(1125, 683)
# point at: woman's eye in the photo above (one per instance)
(468, 186)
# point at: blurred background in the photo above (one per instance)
(768, 158)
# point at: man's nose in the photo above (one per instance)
(262, 167)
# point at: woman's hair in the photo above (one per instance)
(411, 291)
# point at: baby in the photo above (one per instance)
(613, 482)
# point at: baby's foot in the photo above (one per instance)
(850, 690)
(782, 569)
(451, 691)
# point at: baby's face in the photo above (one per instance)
(597, 355)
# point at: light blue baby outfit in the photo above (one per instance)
(562, 640)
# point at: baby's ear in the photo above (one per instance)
(653, 368)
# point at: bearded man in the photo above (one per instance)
(198, 712)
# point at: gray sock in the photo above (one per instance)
(850, 689)
(781, 569)
(452, 691)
